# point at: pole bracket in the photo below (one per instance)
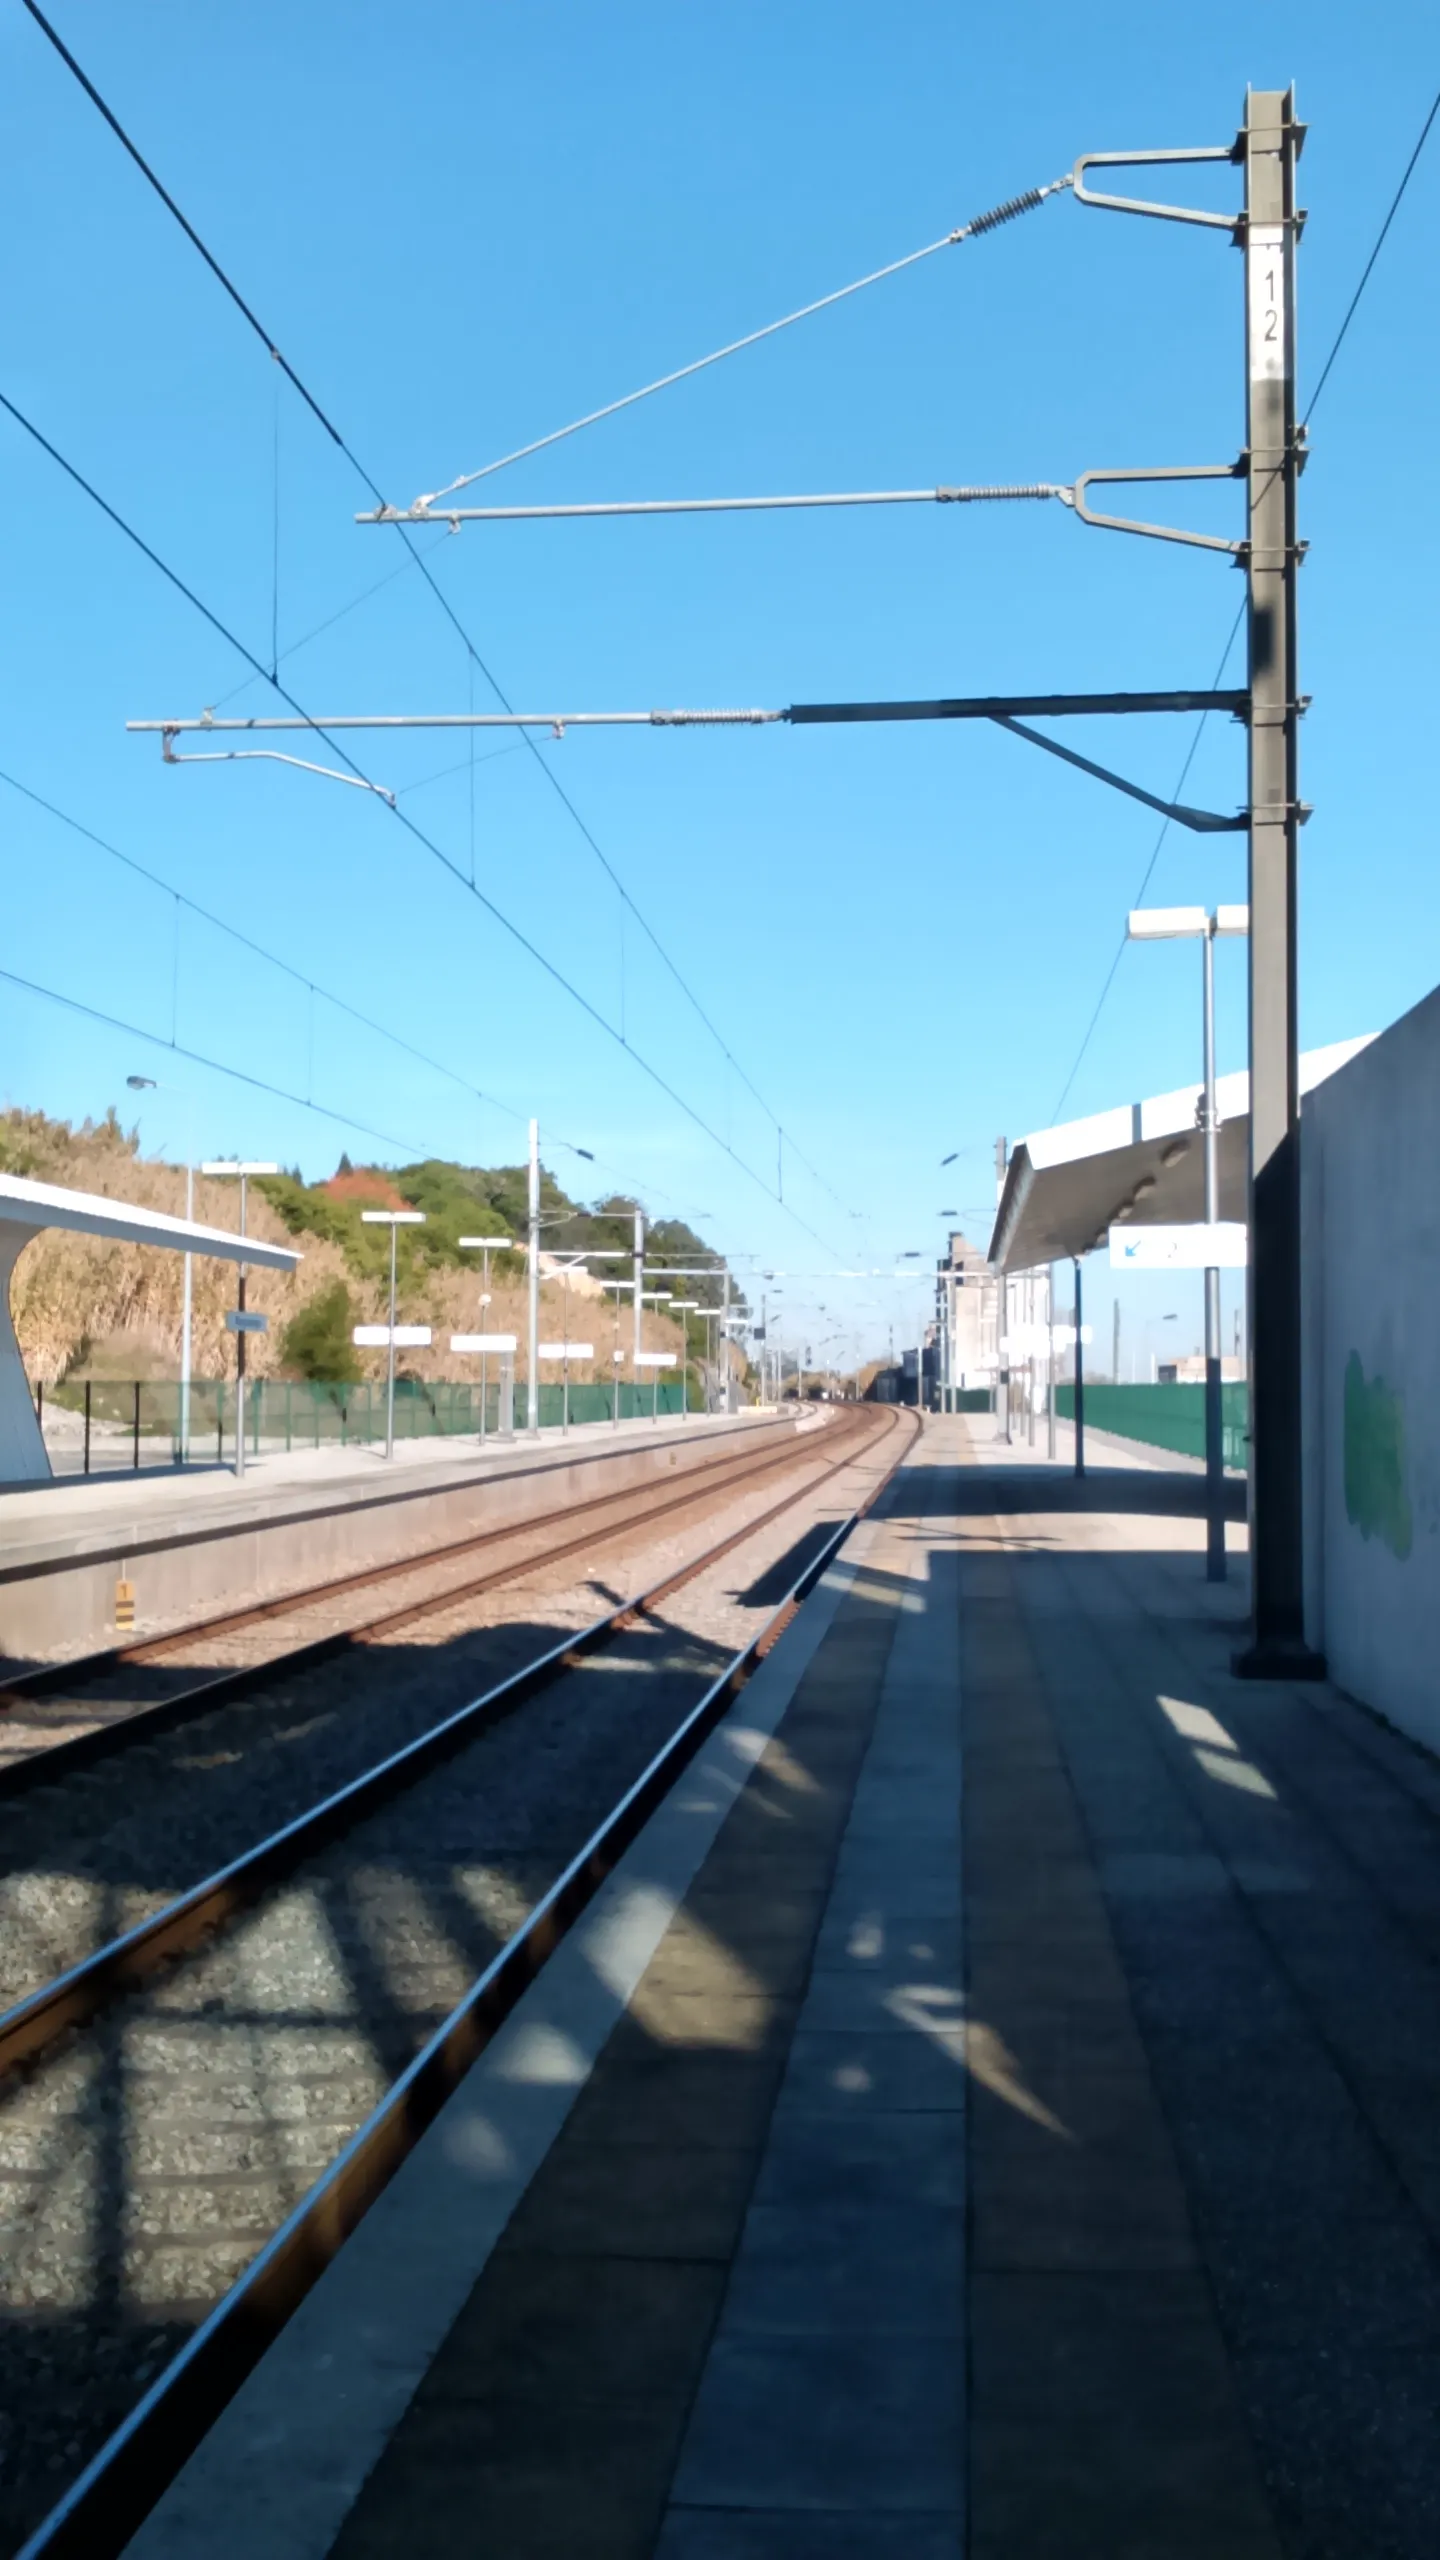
(1141, 204)
(1159, 532)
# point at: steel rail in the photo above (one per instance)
(101, 2511)
(103, 1741)
(83, 1990)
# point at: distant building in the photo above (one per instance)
(965, 1277)
(1189, 1370)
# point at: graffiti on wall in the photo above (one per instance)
(1376, 1501)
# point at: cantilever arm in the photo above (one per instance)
(1205, 822)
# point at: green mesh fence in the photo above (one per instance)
(1171, 1417)
(119, 1421)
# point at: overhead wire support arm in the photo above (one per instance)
(977, 706)
(1028, 201)
(1072, 494)
(422, 513)
(1231, 222)
(1008, 711)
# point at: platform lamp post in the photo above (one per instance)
(532, 1383)
(684, 1307)
(485, 1245)
(391, 1218)
(576, 1261)
(651, 1298)
(230, 1169)
(155, 1084)
(1183, 924)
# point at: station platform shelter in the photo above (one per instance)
(992, 2109)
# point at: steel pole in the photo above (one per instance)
(1079, 1373)
(186, 1316)
(1214, 1408)
(1271, 146)
(240, 1357)
(639, 1287)
(1050, 1396)
(390, 1358)
(532, 1383)
(484, 1327)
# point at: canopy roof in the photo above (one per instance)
(1065, 1187)
(29, 1206)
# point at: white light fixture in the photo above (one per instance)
(1180, 924)
(238, 1169)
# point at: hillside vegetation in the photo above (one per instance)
(86, 1307)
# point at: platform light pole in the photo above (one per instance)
(652, 1298)
(230, 1169)
(1079, 1368)
(485, 1245)
(154, 1084)
(1186, 924)
(576, 1261)
(532, 1382)
(683, 1307)
(638, 1278)
(391, 1218)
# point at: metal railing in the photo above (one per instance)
(100, 1425)
(1164, 1417)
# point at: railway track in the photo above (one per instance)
(172, 2098)
(58, 1717)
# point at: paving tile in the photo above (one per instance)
(1104, 2422)
(898, 1813)
(661, 2016)
(598, 2499)
(902, 1999)
(695, 1959)
(920, 1892)
(862, 2160)
(819, 2422)
(1069, 2207)
(542, 2332)
(705, 2533)
(745, 1922)
(881, 1931)
(887, 2270)
(641, 2200)
(711, 2101)
(864, 2071)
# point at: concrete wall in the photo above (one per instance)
(1370, 1209)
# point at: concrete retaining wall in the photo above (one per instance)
(59, 1600)
(1370, 1209)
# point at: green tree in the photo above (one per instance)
(316, 1342)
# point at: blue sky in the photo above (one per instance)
(465, 228)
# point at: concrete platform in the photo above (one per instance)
(195, 1540)
(991, 2110)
